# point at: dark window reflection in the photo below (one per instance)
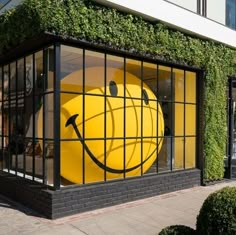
(231, 13)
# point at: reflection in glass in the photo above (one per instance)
(179, 119)
(164, 84)
(133, 86)
(97, 147)
(178, 159)
(115, 74)
(94, 72)
(49, 84)
(49, 155)
(190, 152)
(112, 111)
(190, 87)
(190, 119)
(179, 84)
(115, 111)
(150, 77)
(164, 157)
(28, 97)
(231, 13)
(71, 69)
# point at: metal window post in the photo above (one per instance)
(57, 75)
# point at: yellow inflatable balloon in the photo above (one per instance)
(124, 145)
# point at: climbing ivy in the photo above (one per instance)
(84, 19)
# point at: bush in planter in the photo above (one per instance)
(177, 230)
(218, 213)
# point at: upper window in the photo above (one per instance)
(231, 13)
(3, 3)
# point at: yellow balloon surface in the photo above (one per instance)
(124, 151)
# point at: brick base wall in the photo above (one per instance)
(76, 199)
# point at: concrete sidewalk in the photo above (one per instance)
(147, 216)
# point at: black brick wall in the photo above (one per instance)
(76, 199)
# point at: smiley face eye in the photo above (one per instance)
(145, 96)
(113, 88)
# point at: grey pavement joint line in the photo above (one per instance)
(79, 229)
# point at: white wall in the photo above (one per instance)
(188, 4)
(177, 17)
(216, 10)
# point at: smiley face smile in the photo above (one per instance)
(72, 121)
(122, 123)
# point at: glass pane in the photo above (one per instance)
(29, 99)
(49, 117)
(190, 152)
(150, 77)
(38, 99)
(179, 119)
(72, 162)
(178, 159)
(94, 169)
(115, 76)
(190, 87)
(167, 111)
(152, 120)
(190, 119)
(133, 157)
(133, 118)
(150, 152)
(6, 116)
(38, 159)
(13, 81)
(133, 79)
(179, 84)
(164, 157)
(29, 158)
(71, 104)
(49, 154)
(164, 83)
(94, 72)
(115, 157)
(20, 119)
(114, 117)
(230, 13)
(39, 76)
(49, 85)
(29, 75)
(71, 69)
(39, 117)
(12, 145)
(1, 119)
(94, 117)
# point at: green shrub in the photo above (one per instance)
(218, 213)
(177, 230)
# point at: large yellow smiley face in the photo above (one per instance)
(124, 151)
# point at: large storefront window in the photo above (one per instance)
(119, 117)
(122, 117)
(27, 117)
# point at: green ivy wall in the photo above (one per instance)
(94, 23)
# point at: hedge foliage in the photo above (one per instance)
(84, 19)
(218, 213)
(177, 230)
